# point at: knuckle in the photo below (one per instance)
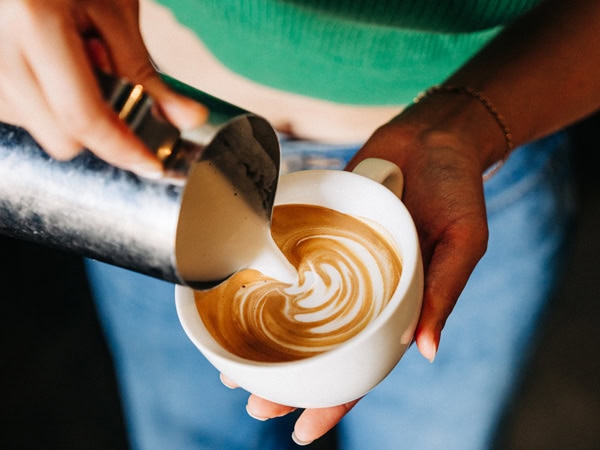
(64, 152)
(59, 147)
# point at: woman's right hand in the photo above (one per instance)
(48, 52)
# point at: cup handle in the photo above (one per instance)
(384, 172)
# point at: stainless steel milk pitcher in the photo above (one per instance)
(188, 228)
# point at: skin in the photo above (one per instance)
(541, 74)
(63, 108)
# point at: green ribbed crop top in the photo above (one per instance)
(348, 51)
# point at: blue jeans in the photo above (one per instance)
(172, 396)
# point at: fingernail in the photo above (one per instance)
(262, 419)
(429, 350)
(226, 382)
(298, 441)
(148, 170)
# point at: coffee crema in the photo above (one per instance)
(347, 272)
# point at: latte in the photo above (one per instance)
(347, 272)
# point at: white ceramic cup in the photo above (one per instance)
(353, 368)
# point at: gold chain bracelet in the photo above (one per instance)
(499, 118)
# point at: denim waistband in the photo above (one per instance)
(547, 159)
(299, 154)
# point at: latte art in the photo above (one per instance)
(347, 272)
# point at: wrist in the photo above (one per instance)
(470, 116)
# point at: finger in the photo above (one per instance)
(133, 62)
(22, 103)
(453, 260)
(77, 103)
(228, 382)
(262, 409)
(183, 112)
(314, 423)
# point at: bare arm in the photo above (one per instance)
(542, 73)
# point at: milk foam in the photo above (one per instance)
(346, 274)
(272, 262)
(219, 233)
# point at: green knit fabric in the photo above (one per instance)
(348, 51)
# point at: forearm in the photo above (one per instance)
(542, 73)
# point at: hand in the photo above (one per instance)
(444, 194)
(442, 169)
(48, 51)
(312, 423)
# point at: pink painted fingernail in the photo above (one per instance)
(150, 170)
(262, 419)
(298, 441)
(428, 350)
(226, 382)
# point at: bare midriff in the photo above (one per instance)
(178, 52)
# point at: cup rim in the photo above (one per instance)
(408, 249)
